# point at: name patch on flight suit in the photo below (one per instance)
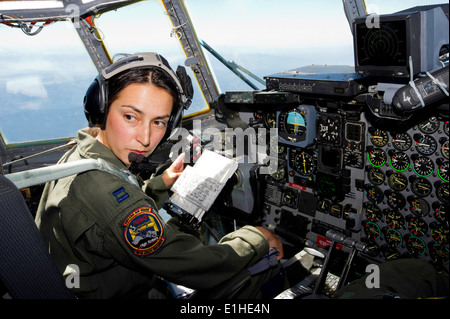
(143, 231)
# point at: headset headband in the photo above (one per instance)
(96, 98)
(143, 59)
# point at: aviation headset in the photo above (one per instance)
(96, 98)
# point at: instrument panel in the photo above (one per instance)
(382, 182)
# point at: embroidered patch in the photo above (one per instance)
(143, 231)
(120, 194)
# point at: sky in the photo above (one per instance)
(264, 36)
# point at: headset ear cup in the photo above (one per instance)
(95, 103)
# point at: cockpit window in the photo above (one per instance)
(267, 37)
(43, 80)
(142, 27)
(44, 77)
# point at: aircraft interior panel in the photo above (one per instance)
(379, 182)
(350, 157)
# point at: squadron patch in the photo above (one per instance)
(143, 231)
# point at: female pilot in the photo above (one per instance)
(108, 227)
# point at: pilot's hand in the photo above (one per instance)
(274, 241)
(174, 171)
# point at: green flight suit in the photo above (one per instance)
(111, 230)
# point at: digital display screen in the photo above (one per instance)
(383, 46)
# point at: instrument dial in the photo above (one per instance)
(374, 194)
(399, 161)
(430, 126)
(415, 245)
(439, 254)
(336, 210)
(270, 119)
(418, 206)
(371, 230)
(373, 212)
(304, 163)
(323, 206)
(416, 225)
(425, 144)
(442, 192)
(395, 200)
(423, 166)
(397, 181)
(290, 198)
(439, 233)
(377, 157)
(443, 171)
(376, 176)
(446, 127)
(394, 219)
(393, 238)
(329, 129)
(444, 149)
(402, 141)
(279, 174)
(421, 187)
(440, 212)
(378, 137)
(292, 125)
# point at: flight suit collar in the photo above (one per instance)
(89, 147)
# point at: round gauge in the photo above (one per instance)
(439, 254)
(390, 253)
(399, 161)
(374, 194)
(442, 192)
(373, 212)
(444, 149)
(425, 144)
(275, 147)
(329, 128)
(418, 206)
(377, 157)
(372, 249)
(371, 230)
(290, 198)
(376, 176)
(439, 233)
(292, 125)
(279, 174)
(353, 156)
(421, 187)
(393, 238)
(323, 206)
(379, 137)
(397, 181)
(336, 210)
(446, 127)
(270, 119)
(443, 171)
(430, 126)
(402, 141)
(416, 225)
(304, 164)
(394, 219)
(395, 200)
(415, 245)
(440, 212)
(423, 166)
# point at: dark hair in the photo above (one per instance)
(152, 75)
(142, 75)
